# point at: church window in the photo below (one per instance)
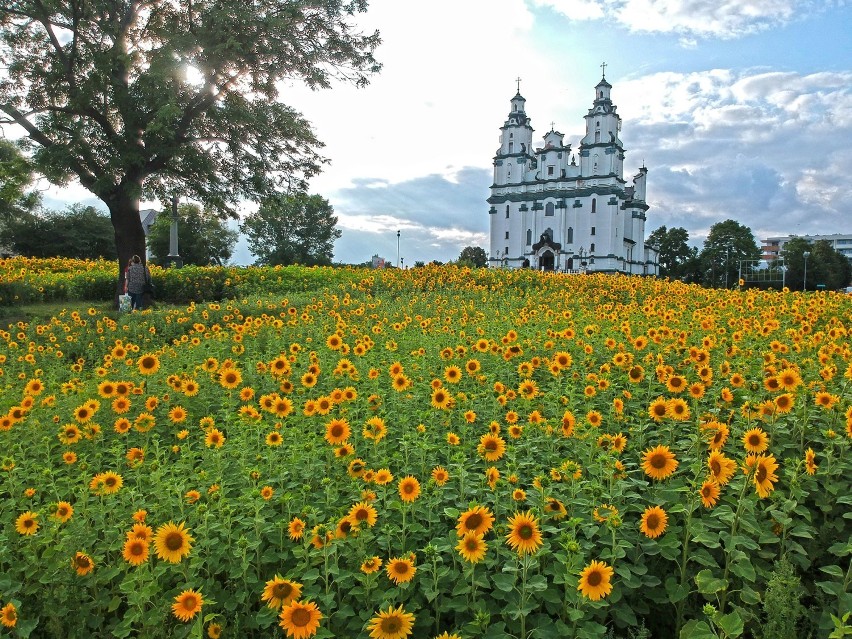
(511, 147)
(506, 251)
(569, 236)
(597, 136)
(507, 211)
(593, 231)
(592, 247)
(550, 170)
(548, 208)
(529, 237)
(594, 205)
(507, 235)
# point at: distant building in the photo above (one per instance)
(555, 209)
(773, 246)
(378, 262)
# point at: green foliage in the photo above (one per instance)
(782, 607)
(16, 176)
(827, 268)
(727, 244)
(203, 238)
(678, 260)
(292, 229)
(473, 256)
(80, 232)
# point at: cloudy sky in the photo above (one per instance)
(739, 108)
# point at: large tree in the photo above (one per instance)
(826, 268)
(156, 98)
(675, 254)
(204, 238)
(16, 179)
(292, 229)
(474, 256)
(728, 245)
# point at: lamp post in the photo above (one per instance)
(727, 260)
(397, 249)
(173, 259)
(805, 255)
(402, 262)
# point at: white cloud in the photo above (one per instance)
(702, 18)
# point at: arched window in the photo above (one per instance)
(569, 235)
(592, 247)
(511, 147)
(594, 205)
(529, 237)
(597, 136)
(548, 209)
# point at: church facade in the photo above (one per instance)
(556, 209)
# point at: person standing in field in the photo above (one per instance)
(134, 281)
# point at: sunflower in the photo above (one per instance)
(300, 619)
(524, 535)
(400, 569)
(371, 565)
(605, 513)
(764, 474)
(556, 509)
(755, 440)
(63, 512)
(719, 434)
(784, 403)
(453, 439)
(595, 580)
(274, 438)
(659, 462)
(9, 615)
(26, 523)
(452, 374)
(472, 547)
(177, 414)
(296, 529)
(383, 477)
(141, 531)
(337, 431)
(394, 623)
(187, 604)
(280, 592)
(82, 563)
(70, 434)
(491, 447)
(825, 400)
(440, 475)
(677, 409)
(173, 542)
(441, 399)
(709, 492)
(658, 409)
(654, 521)
(618, 442)
(214, 438)
(107, 483)
(135, 551)
(148, 364)
(676, 384)
(478, 519)
(721, 468)
(230, 378)
(214, 631)
(789, 378)
(409, 489)
(810, 461)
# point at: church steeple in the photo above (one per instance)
(601, 151)
(515, 143)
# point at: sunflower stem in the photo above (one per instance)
(729, 546)
(684, 558)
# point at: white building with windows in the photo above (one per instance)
(557, 209)
(842, 243)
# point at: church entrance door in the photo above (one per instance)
(546, 261)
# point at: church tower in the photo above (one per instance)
(552, 209)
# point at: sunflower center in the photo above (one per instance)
(471, 545)
(190, 602)
(652, 522)
(29, 523)
(391, 625)
(473, 521)
(400, 568)
(754, 440)
(300, 617)
(282, 590)
(706, 491)
(137, 549)
(594, 578)
(716, 467)
(408, 489)
(761, 473)
(336, 430)
(174, 541)
(526, 531)
(658, 461)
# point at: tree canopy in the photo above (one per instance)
(155, 98)
(826, 267)
(727, 244)
(203, 238)
(474, 256)
(16, 177)
(292, 229)
(678, 260)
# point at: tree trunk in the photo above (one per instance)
(129, 234)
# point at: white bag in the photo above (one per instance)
(124, 303)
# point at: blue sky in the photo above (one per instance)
(739, 108)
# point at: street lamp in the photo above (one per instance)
(805, 255)
(397, 249)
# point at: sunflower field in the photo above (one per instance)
(431, 453)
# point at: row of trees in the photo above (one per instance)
(286, 229)
(731, 246)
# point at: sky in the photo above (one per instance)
(740, 109)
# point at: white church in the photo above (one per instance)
(555, 209)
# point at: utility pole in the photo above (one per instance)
(397, 250)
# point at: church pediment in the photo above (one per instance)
(546, 241)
